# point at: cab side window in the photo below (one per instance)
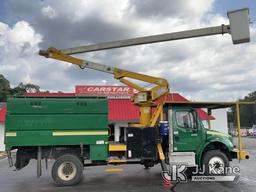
(185, 119)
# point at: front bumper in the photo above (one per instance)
(240, 155)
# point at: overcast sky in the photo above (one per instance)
(208, 68)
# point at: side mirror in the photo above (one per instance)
(195, 124)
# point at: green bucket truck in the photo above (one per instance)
(74, 131)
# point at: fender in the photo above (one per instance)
(225, 142)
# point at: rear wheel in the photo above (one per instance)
(148, 163)
(67, 170)
(215, 162)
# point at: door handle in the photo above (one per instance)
(176, 135)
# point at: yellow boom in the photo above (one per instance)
(144, 98)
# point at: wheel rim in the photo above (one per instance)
(67, 171)
(216, 165)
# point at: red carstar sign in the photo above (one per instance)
(104, 90)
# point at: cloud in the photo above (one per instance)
(77, 22)
(161, 9)
(207, 68)
(17, 44)
(49, 12)
(19, 41)
(19, 60)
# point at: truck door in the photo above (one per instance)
(187, 132)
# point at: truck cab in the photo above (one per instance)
(184, 140)
(189, 142)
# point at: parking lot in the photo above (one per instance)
(132, 178)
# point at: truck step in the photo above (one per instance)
(117, 147)
(182, 157)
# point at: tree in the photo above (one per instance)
(19, 90)
(29, 87)
(247, 112)
(25, 88)
(6, 90)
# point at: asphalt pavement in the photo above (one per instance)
(132, 178)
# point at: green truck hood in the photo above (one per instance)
(213, 135)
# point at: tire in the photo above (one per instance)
(67, 170)
(215, 162)
(146, 167)
(148, 164)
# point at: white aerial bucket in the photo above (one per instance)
(239, 25)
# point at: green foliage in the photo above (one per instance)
(6, 91)
(4, 88)
(247, 112)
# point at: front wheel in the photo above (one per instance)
(215, 162)
(67, 170)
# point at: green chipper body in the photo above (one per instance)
(62, 121)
